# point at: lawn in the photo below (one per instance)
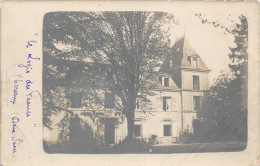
(200, 147)
(141, 147)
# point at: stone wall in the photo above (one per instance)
(187, 82)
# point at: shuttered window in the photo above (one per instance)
(166, 103)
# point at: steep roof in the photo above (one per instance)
(180, 57)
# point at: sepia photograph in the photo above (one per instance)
(156, 82)
(130, 83)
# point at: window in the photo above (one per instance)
(76, 99)
(196, 83)
(196, 103)
(166, 103)
(109, 100)
(166, 82)
(137, 127)
(166, 130)
(137, 105)
(195, 63)
(137, 130)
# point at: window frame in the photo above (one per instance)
(193, 82)
(168, 82)
(195, 63)
(169, 98)
(164, 129)
(139, 130)
(196, 103)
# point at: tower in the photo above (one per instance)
(190, 74)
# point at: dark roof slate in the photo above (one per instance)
(180, 55)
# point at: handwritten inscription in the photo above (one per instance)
(16, 141)
(30, 43)
(28, 102)
(15, 88)
(28, 66)
(28, 84)
(15, 120)
(19, 83)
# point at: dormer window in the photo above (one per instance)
(195, 63)
(193, 60)
(166, 82)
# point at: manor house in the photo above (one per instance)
(180, 88)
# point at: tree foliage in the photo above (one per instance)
(224, 109)
(117, 52)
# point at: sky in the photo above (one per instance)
(211, 43)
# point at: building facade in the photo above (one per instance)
(177, 98)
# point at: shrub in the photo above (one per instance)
(153, 140)
(132, 146)
(187, 136)
(76, 136)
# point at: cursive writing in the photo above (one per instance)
(28, 66)
(15, 120)
(29, 43)
(28, 84)
(28, 101)
(16, 142)
(15, 88)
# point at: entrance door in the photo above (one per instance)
(110, 131)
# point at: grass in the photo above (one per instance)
(141, 147)
(201, 147)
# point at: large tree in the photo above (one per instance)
(124, 49)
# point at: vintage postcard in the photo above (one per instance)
(130, 83)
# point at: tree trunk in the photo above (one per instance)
(130, 124)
